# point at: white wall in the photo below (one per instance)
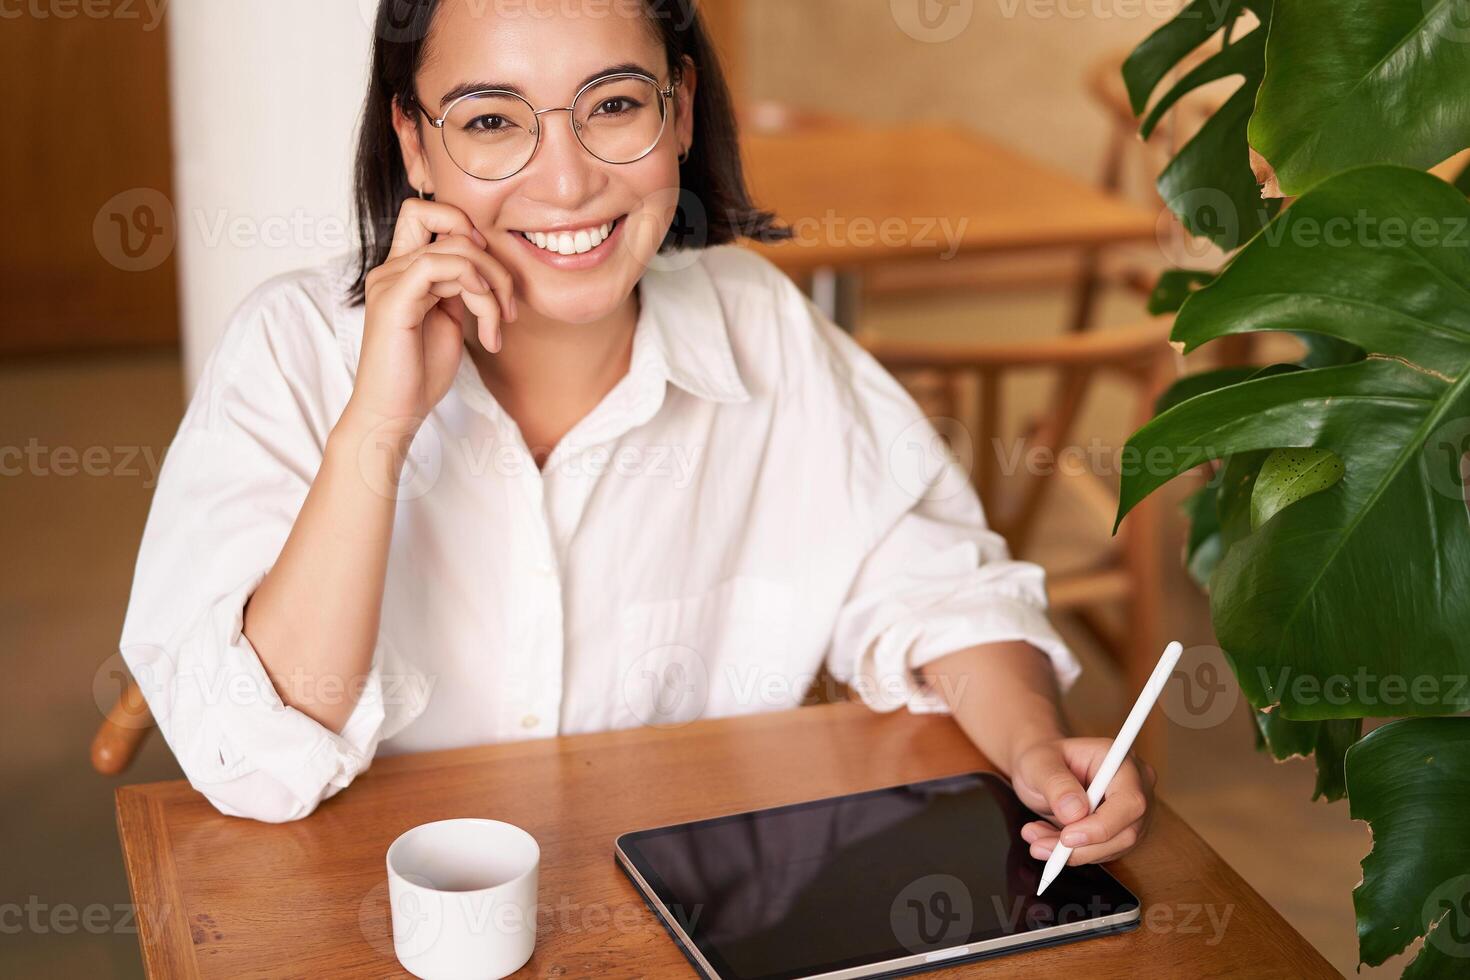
(266, 95)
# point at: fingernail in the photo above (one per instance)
(1074, 838)
(1072, 807)
(498, 340)
(484, 286)
(515, 311)
(479, 238)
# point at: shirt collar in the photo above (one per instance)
(682, 330)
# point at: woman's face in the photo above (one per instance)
(547, 50)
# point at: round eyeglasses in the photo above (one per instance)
(492, 135)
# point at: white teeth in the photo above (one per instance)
(570, 243)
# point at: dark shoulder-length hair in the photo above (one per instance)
(714, 203)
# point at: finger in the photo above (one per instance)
(489, 268)
(435, 275)
(419, 221)
(486, 311)
(1123, 805)
(1047, 771)
(1038, 830)
(1116, 847)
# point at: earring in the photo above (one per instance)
(421, 195)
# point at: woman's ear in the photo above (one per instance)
(684, 104)
(408, 125)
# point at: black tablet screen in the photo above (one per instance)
(861, 879)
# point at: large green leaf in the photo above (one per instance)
(1174, 287)
(1209, 185)
(1347, 600)
(1410, 780)
(1352, 82)
(1327, 741)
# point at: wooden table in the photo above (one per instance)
(219, 896)
(859, 195)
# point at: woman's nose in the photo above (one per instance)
(563, 173)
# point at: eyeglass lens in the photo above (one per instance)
(493, 135)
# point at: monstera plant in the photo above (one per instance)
(1335, 539)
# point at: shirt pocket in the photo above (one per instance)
(725, 651)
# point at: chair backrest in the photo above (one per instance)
(959, 386)
(122, 732)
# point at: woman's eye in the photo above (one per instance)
(489, 124)
(614, 106)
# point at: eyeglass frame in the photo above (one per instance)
(663, 115)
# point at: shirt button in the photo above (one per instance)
(530, 721)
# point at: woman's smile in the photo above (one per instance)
(573, 247)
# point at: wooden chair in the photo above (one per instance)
(122, 732)
(959, 384)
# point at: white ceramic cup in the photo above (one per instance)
(463, 897)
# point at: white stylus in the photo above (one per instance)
(1117, 752)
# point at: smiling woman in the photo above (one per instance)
(675, 142)
(423, 495)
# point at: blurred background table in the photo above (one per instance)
(220, 896)
(860, 196)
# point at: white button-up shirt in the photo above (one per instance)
(756, 498)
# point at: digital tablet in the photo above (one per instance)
(889, 881)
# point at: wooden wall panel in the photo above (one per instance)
(86, 258)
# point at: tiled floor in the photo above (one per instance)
(71, 538)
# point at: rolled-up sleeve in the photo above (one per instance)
(231, 486)
(935, 579)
